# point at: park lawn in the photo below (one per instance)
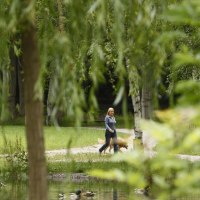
(55, 138)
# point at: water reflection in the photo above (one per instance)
(14, 191)
(115, 194)
(62, 189)
(90, 191)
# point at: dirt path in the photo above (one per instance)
(94, 148)
(88, 149)
(150, 143)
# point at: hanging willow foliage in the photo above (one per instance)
(90, 29)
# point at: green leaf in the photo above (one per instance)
(119, 95)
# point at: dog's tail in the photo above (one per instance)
(100, 141)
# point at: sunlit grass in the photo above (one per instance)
(55, 138)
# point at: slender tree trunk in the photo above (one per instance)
(4, 96)
(146, 96)
(49, 102)
(135, 96)
(20, 76)
(12, 84)
(146, 100)
(33, 115)
(61, 17)
(137, 119)
(137, 113)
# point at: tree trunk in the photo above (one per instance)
(49, 102)
(135, 96)
(146, 101)
(4, 95)
(12, 84)
(137, 113)
(33, 115)
(61, 18)
(20, 76)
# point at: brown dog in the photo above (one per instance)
(122, 143)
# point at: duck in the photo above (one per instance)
(79, 193)
(61, 196)
(76, 195)
(144, 191)
(2, 185)
(88, 194)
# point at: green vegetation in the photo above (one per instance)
(14, 164)
(16, 169)
(147, 49)
(80, 167)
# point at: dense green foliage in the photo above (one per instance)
(150, 43)
(166, 174)
(81, 42)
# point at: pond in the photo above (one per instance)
(61, 185)
(64, 184)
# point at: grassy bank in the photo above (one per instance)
(79, 167)
(83, 163)
(13, 138)
(78, 163)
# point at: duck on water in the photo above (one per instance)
(79, 194)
